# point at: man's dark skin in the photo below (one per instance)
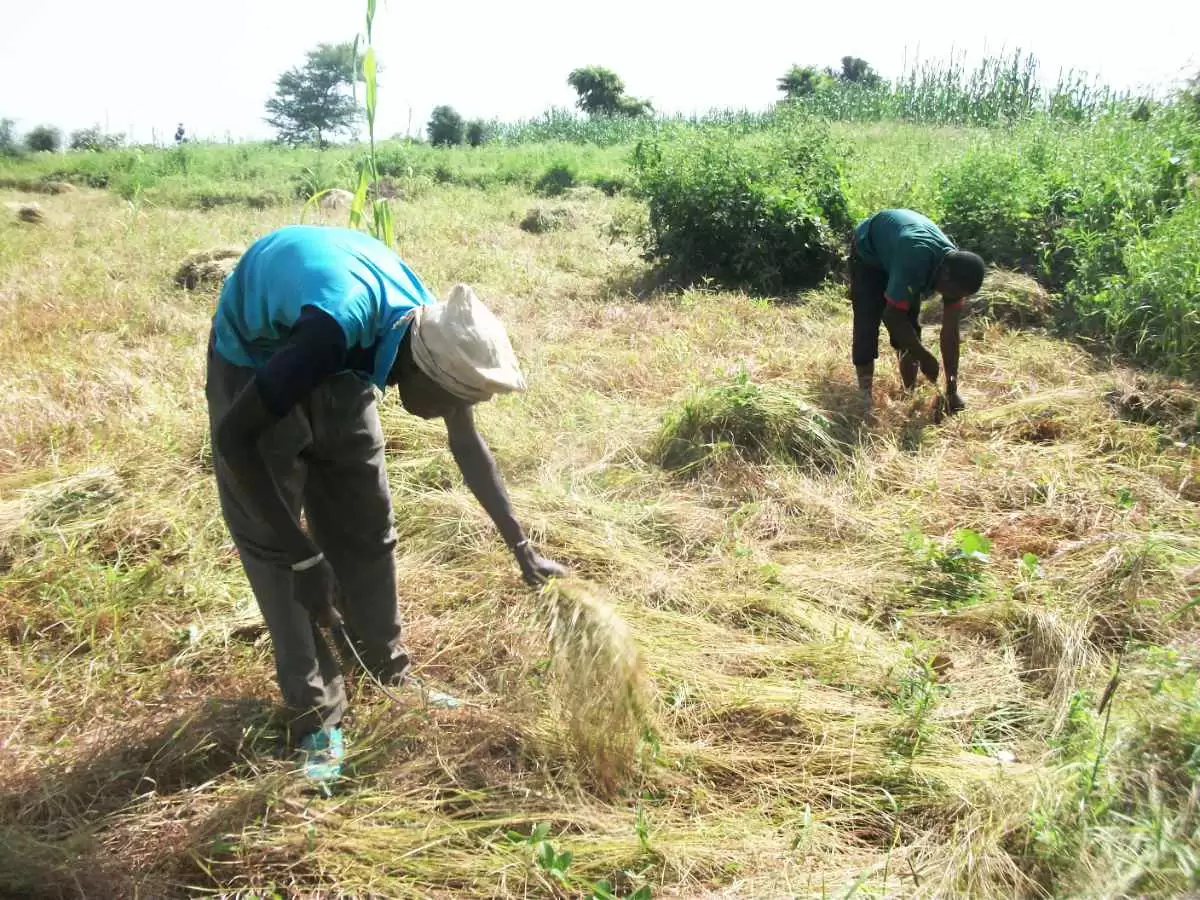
(237, 436)
(914, 357)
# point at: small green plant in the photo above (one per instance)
(950, 574)
(642, 827)
(603, 890)
(916, 698)
(553, 863)
(381, 223)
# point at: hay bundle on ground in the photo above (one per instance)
(1012, 299)
(30, 213)
(207, 267)
(1168, 405)
(549, 217)
(336, 199)
(758, 422)
(599, 675)
(58, 187)
(75, 501)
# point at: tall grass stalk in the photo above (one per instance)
(367, 191)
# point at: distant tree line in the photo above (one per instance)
(804, 81)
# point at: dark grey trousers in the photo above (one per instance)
(327, 459)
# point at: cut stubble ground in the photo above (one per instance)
(818, 725)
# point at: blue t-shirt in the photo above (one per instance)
(348, 275)
(908, 247)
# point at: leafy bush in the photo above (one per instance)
(1091, 212)
(44, 139)
(1151, 311)
(94, 139)
(8, 138)
(557, 179)
(766, 212)
(751, 421)
(479, 132)
(996, 205)
(446, 127)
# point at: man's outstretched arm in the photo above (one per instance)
(479, 471)
(905, 337)
(951, 345)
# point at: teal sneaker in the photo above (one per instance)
(321, 755)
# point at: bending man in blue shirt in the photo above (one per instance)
(899, 257)
(310, 323)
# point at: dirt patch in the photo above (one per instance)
(1037, 533)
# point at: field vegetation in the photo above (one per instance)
(910, 660)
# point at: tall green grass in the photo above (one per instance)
(1001, 89)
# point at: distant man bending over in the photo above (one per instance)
(309, 324)
(898, 258)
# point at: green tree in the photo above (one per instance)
(602, 93)
(1191, 93)
(479, 132)
(446, 127)
(315, 102)
(858, 71)
(43, 139)
(8, 138)
(94, 139)
(802, 81)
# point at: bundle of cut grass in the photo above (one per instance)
(1012, 299)
(598, 672)
(757, 422)
(76, 501)
(544, 218)
(30, 213)
(336, 199)
(207, 267)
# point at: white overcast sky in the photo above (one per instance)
(141, 66)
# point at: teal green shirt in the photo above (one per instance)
(908, 247)
(355, 279)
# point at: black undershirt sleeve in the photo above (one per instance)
(315, 351)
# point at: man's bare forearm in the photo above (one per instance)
(481, 475)
(951, 345)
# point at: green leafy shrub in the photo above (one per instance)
(446, 127)
(557, 179)
(996, 205)
(94, 139)
(1101, 215)
(751, 421)
(767, 212)
(478, 132)
(1151, 311)
(9, 145)
(44, 139)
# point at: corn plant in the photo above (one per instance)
(366, 194)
